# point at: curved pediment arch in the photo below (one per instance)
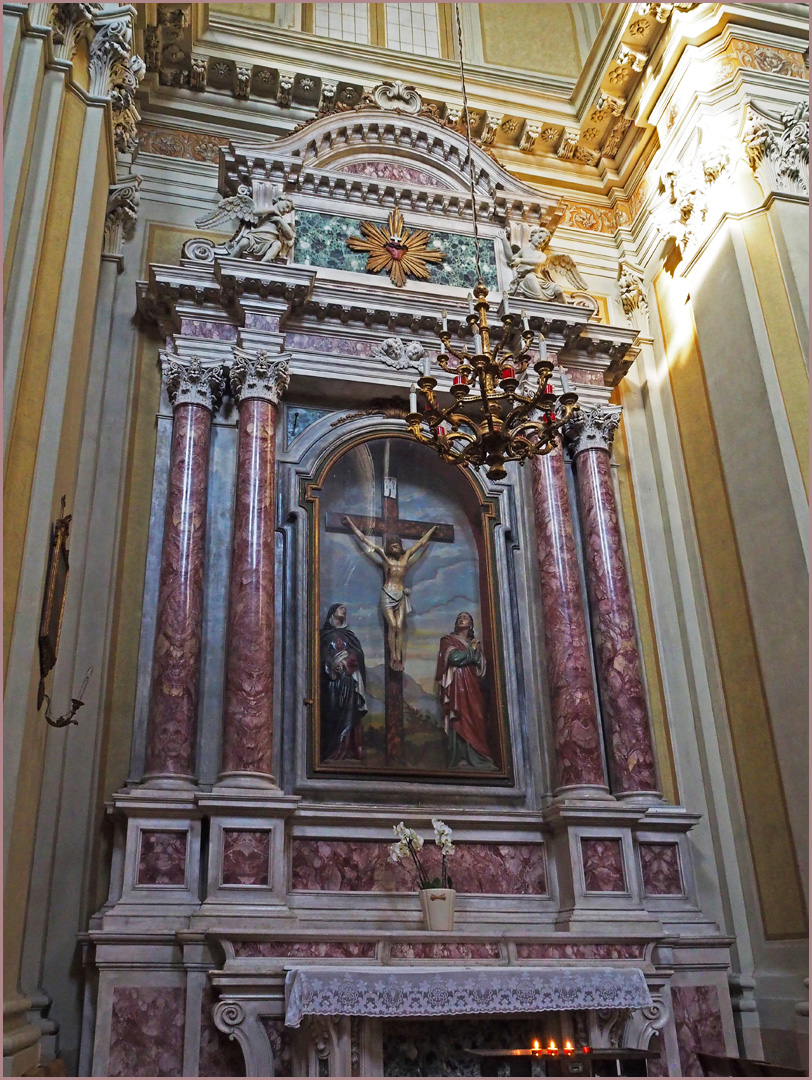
(383, 148)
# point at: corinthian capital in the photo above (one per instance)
(111, 46)
(122, 207)
(71, 23)
(259, 375)
(188, 382)
(593, 428)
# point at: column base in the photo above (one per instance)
(235, 779)
(168, 782)
(581, 793)
(20, 1037)
(640, 798)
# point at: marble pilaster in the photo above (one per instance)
(620, 678)
(194, 392)
(579, 760)
(258, 381)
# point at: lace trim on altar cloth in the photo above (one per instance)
(363, 992)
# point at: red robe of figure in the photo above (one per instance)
(460, 670)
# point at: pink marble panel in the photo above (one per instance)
(162, 858)
(562, 951)
(698, 1020)
(364, 866)
(657, 1066)
(331, 346)
(569, 668)
(362, 950)
(623, 696)
(208, 330)
(279, 1037)
(246, 857)
(219, 1054)
(603, 865)
(392, 170)
(661, 870)
(453, 950)
(248, 722)
(253, 321)
(176, 663)
(585, 377)
(146, 1031)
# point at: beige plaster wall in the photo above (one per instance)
(533, 37)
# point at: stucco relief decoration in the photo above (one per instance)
(259, 375)
(122, 207)
(632, 296)
(162, 858)
(603, 865)
(266, 225)
(190, 383)
(535, 269)
(399, 96)
(169, 142)
(401, 355)
(686, 187)
(767, 59)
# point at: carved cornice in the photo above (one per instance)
(190, 383)
(593, 428)
(259, 375)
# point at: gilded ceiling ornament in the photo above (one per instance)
(398, 251)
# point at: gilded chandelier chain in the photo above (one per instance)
(468, 138)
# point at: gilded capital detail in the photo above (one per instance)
(190, 383)
(593, 428)
(259, 375)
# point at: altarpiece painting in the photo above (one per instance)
(405, 646)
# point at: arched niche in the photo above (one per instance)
(468, 573)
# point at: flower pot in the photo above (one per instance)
(438, 908)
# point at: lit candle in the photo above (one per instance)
(470, 303)
(413, 398)
(568, 1047)
(536, 1044)
(525, 320)
(445, 322)
(426, 366)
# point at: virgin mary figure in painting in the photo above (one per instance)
(460, 671)
(343, 688)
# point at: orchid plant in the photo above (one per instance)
(409, 843)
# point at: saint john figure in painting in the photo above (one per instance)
(343, 688)
(460, 671)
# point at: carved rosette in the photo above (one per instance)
(190, 383)
(593, 428)
(260, 375)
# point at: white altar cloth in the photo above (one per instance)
(330, 991)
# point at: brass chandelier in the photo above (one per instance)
(499, 412)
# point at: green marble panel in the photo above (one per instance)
(321, 240)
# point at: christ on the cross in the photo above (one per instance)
(394, 560)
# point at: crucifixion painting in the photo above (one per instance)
(401, 552)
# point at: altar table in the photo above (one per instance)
(596, 1063)
(379, 991)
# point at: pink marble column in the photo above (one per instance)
(578, 754)
(257, 382)
(620, 678)
(194, 392)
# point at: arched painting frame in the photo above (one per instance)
(331, 490)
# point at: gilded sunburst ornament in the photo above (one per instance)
(398, 251)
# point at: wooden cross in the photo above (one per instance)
(388, 526)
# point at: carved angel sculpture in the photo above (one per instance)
(533, 268)
(397, 354)
(262, 234)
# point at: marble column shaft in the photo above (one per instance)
(257, 382)
(194, 392)
(620, 678)
(579, 758)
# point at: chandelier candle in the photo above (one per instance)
(492, 418)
